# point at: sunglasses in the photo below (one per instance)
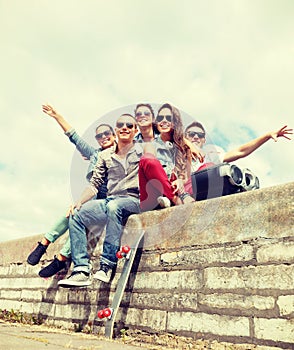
(105, 133)
(160, 118)
(120, 125)
(140, 114)
(200, 135)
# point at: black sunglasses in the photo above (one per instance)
(200, 135)
(101, 134)
(160, 118)
(140, 114)
(120, 125)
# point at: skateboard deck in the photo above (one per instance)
(111, 312)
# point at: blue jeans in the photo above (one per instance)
(112, 212)
(58, 230)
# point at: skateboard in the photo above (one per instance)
(109, 313)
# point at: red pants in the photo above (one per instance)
(188, 185)
(153, 182)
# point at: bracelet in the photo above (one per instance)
(184, 195)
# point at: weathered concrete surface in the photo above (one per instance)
(267, 213)
(264, 213)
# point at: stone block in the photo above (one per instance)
(279, 277)
(25, 282)
(71, 311)
(149, 261)
(280, 330)
(32, 295)
(58, 295)
(175, 280)
(29, 307)
(286, 304)
(17, 270)
(165, 301)
(237, 301)
(280, 252)
(221, 255)
(4, 271)
(47, 309)
(173, 258)
(151, 319)
(6, 304)
(208, 323)
(10, 294)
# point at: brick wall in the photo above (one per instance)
(219, 269)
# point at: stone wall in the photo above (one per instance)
(218, 269)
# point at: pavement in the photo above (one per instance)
(15, 336)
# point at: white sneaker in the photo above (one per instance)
(76, 279)
(104, 273)
(164, 202)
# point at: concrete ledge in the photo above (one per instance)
(266, 213)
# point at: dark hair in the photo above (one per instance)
(107, 125)
(129, 115)
(145, 105)
(196, 124)
(182, 150)
(148, 105)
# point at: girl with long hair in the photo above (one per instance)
(165, 166)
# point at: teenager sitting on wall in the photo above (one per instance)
(163, 168)
(195, 133)
(121, 163)
(105, 137)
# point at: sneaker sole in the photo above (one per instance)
(33, 263)
(46, 275)
(74, 284)
(106, 280)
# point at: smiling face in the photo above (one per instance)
(164, 121)
(104, 136)
(143, 116)
(196, 135)
(126, 128)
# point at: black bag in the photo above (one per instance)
(222, 180)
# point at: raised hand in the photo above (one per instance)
(283, 132)
(48, 109)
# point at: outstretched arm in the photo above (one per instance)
(248, 148)
(82, 146)
(51, 111)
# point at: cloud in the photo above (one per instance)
(227, 64)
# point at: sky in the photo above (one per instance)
(227, 63)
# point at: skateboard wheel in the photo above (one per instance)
(119, 254)
(126, 249)
(100, 314)
(107, 312)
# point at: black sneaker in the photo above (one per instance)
(36, 254)
(51, 269)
